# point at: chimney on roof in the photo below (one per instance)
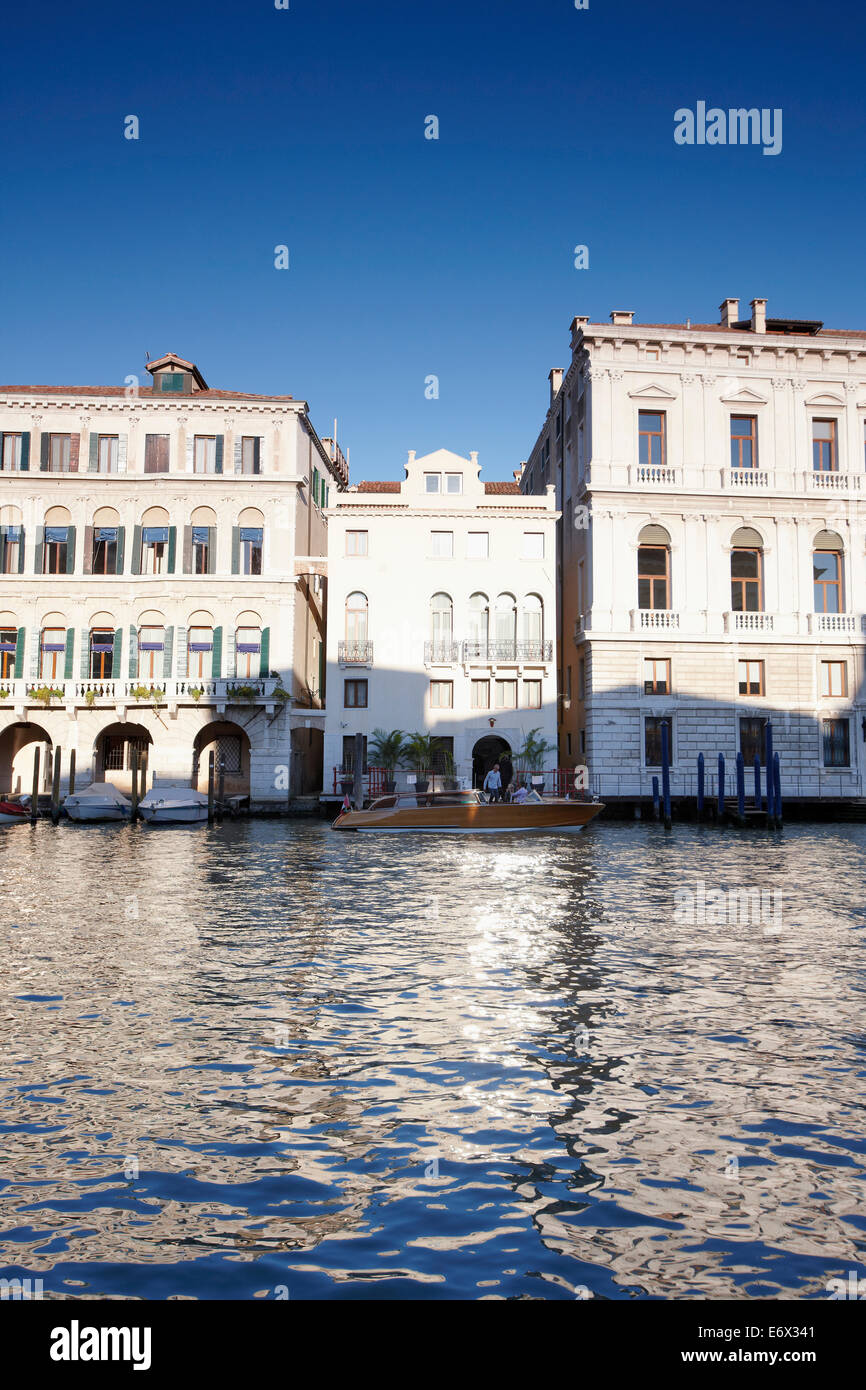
(555, 376)
(759, 315)
(730, 312)
(579, 321)
(473, 457)
(518, 472)
(622, 318)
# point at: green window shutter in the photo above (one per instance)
(133, 651)
(19, 653)
(265, 653)
(121, 536)
(167, 651)
(70, 550)
(84, 660)
(44, 444)
(218, 461)
(135, 567)
(211, 549)
(236, 550)
(21, 552)
(117, 653)
(186, 550)
(69, 653)
(172, 548)
(217, 659)
(93, 454)
(25, 452)
(39, 550)
(257, 455)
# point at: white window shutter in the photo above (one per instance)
(238, 454)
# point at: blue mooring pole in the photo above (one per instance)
(700, 784)
(757, 783)
(656, 797)
(777, 787)
(721, 802)
(741, 789)
(666, 774)
(771, 794)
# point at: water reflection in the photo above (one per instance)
(262, 1054)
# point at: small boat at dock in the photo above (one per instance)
(173, 806)
(13, 813)
(468, 812)
(99, 801)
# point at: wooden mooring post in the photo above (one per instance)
(666, 774)
(71, 771)
(358, 770)
(55, 788)
(701, 776)
(34, 798)
(741, 790)
(221, 794)
(210, 780)
(134, 793)
(720, 804)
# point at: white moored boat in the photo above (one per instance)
(99, 801)
(173, 806)
(13, 813)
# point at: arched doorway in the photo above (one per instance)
(487, 751)
(225, 740)
(112, 755)
(18, 746)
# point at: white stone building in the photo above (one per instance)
(441, 605)
(712, 547)
(157, 588)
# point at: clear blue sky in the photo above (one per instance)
(412, 257)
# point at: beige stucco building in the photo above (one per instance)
(161, 582)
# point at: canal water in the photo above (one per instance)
(263, 1060)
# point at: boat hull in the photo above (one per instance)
(173, 815)
(83, 812)
(8, 819)
(501, 818)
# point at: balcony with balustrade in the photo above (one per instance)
(355, 653)
(115, 693)
(494, 651)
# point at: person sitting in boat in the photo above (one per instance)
(520, 795)
(493, 784)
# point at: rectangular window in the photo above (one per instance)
(356, 542)
(8, 642)
(11, 549)
(837, 752)
(824, 459)
(349, 752)
(432, 482)
(506, 694)
(104, 550)
(250, 457)
(657, 675)
(533, 545)
(653, 741)
(248, 650)
(746, 584)
(151, 648)
(204, 453)
(156, 453)
(101, 652)
(59, 453)
(652, 353)
(753, 740)
(834, 679)
(52, 652)
(532, 694)
(251, 550)
(106, 453)
(477, 545)
(441, 694)
(568, 745)
(200, 549)
(480, 694)
(750, 677)
(54, 550)
(827, 576)
(453, 482)
(581, 678)
(651, 438)
(170, 381)
(10, 459)
(653, 576)
(355, 694)
(744, 441)
(154, 549)
(442, 544)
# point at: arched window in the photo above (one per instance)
(505, 625)
(8, 645)
(356, 618)
(248, 648)
(532, 626)
(442, 621)
(654, 568)
(828, 573)
(101, 647)
(200, 647)
(52, 648)
(11, 540)
(479, 625)
(151, 651)
(747, 571)
(58, 547)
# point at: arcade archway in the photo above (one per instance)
(18, 746)
(487, 751)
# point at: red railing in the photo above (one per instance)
(374, 780)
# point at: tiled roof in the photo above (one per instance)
(722, 328)
(176, 397)
(378, 487)
(502, 489)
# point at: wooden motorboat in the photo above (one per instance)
(99, 801)
(13, 813)
(460, 812)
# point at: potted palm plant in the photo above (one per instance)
(386, 750)
(418, 753)
(449, 770)
(531, 756)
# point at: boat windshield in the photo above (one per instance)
(468, 798)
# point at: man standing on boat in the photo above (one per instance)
(493, 784)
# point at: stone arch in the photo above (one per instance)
(222, 736)
(18, 744)
(489, 749)
(112, 754)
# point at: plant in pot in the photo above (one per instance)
(449, 770)
(531, 756)
(418, 753)
(347, 780)
(386, 750)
